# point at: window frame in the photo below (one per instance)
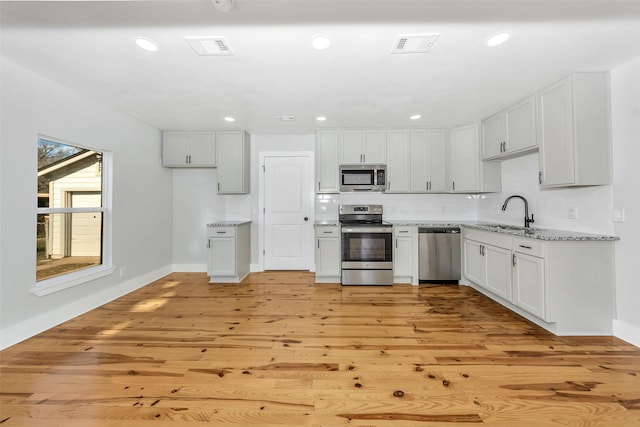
(105, 268)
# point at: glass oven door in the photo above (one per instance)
(367, 247)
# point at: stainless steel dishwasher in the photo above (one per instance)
(439, 254)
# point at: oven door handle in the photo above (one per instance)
(367, 230)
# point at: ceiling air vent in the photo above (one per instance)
(414, 43)
(210, 46)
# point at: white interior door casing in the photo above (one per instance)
(288, 208)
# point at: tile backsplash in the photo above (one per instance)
(592, 205)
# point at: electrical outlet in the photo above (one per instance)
(573, 213)
(618, 215)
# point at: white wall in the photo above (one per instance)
(625, 100)
(550, 206)
(142, 205)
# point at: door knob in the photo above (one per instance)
(306, 218)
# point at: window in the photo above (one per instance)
(72, 220)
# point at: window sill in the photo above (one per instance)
(55, 284)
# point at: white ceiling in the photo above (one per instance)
(89, 46)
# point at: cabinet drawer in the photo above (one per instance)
(328, 231)
(528, 246)
(402, 230)
(222, 231)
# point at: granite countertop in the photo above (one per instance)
(228, 223)
(513, 230)
(326, 223)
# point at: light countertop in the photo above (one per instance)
(228, 223)
(532, 233)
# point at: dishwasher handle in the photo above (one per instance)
(439, 230)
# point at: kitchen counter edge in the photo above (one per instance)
(228, 223)
(532, 233)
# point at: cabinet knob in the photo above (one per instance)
(306, 218)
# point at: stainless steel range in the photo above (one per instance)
(367, 252)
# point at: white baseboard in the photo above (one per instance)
(627, 332)
(13, 334)
(189, 268)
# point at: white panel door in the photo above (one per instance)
(287, 215)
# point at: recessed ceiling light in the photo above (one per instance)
(416, 116)
(498, 38)
(320, 42)
(229, 119)
(321, 118)
(146, 44)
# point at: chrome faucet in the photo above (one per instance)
(527, 220)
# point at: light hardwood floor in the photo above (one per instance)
(278, 349)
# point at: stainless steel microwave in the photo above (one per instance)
(363, 177)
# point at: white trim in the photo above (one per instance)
(69, 280)
(13, 334)
(261, 201)
(68, 210)
(627, 332)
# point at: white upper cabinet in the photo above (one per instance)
(574, 131)
(363, 146)
(511, 132)
(233, 154)
(467, 172)
(327, 180)
(428, 160)
(186, 149)
(398, 161)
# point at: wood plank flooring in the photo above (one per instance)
(278, 349)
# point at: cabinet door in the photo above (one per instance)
(222, 256)
(474, 262)
(398, 161)
(327, 180)
(402, 257)
(420, 162)
(494, 136)
(232, 163)
(202, 149)
(465, 159)
(437, 161)
(328, 256)
(528, 284)
(521, 126)
(175, 148)
(351, 147)
(374, 146)
(498, 277)
(556, 134)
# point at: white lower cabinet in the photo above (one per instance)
(328, 255)
(528, 284)
(228, 252)
(488, 266)
(565, 286)
(405, 248)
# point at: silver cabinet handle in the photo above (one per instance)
(513, 259)
(525, 246)
(540, 177)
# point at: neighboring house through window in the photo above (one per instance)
(72, 214)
